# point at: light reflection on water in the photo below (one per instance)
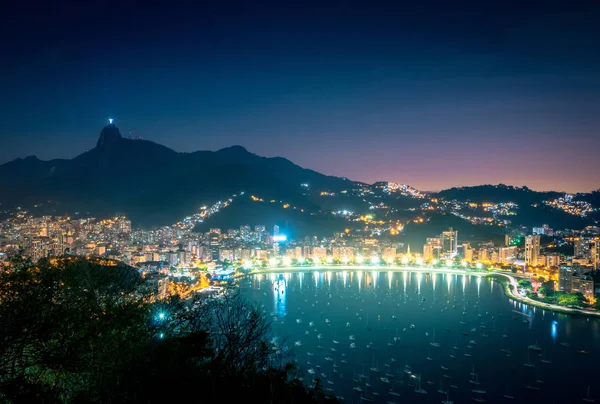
(391, 306)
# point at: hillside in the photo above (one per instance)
(153, 184)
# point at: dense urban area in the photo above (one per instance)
(553, 264)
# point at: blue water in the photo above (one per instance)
(375, 307)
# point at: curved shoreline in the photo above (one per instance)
(508, 292)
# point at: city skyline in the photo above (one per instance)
(420, 95)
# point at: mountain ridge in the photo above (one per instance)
(155, 185)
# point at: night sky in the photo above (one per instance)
(433, 94)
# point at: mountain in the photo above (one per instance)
(532, 210)
(497, 194)
(153, 184)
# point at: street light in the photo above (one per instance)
(287, 261)
(273, 261)
(359, 259)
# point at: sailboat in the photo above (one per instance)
(447, 400)
(477, 390)
(589, 399)
(429, 358)
(418, 388)
(535, 347)
(364, 397)
(374, 368)
(433, 343)
(441, 389)
(528, 364)
(508, 396)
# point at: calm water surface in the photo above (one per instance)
(392, 319)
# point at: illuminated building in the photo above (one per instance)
(532, 249)
(433, 248)
(484, 254)
(507, 255)
(319, 253)
(389, 253)
(596, 254)
(571, 281)
(370, 247)
(214, 242)
(580, 247)
(450, 240)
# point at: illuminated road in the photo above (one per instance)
(513, 294)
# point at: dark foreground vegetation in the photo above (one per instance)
(72, 331)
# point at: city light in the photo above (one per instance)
(345, 260)
(479, 265)
(465, 263)
(247, 264)
(316, 261)
(419, 261)
(272, 261)
(434, 262)
(405, 260)
(390, 260)
(449, 263)
(161, 316)
(279, 238)
(329, 260)
(287, 261)
(375, 260)
(359, 259)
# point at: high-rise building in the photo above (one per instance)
(245, 231)
(580, 246)
(433, 248)
(507, 255)
(596, 254)
(389, 253)
(370, 247)
(276, 230)
(532, 249)
(214, 242)
(450, 240)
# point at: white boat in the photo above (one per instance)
(433, 343)
(418, 388)
(587, 398)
